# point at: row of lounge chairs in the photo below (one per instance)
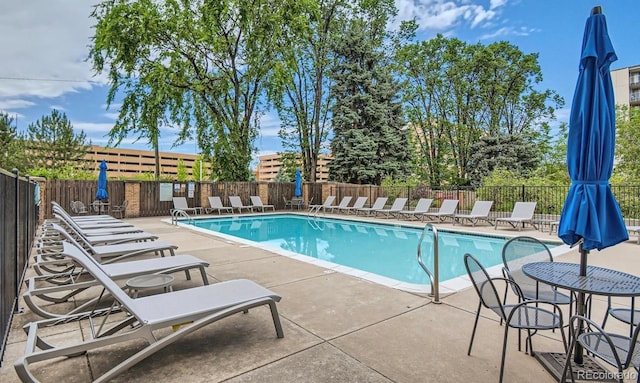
(91, 259)
(523, 212)
(215, 204)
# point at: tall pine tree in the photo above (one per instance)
(370, 139)
(52, 143)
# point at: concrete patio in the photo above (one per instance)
(338, 328)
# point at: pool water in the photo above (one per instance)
(382, 249)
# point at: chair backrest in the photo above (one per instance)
(359, 204)
(448, 206)
(94, 268)
(344, 202)
(329, 201)
(621, 351)
(519, 251)
(235, 201)
(256, 200)
(180, 203)
(122, 207)
(67, 236)
(379, 203)
(423, 206)
(215, 202)
(398, 204)
(483, 285)
(523, 210)
(82, 208)
(481, 208)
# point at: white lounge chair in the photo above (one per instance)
(215, 203)
(60, 288)
(180, 203)
(522, 214)
(479, 212)
(149, 318)
(344, 203)
(377, 205)
(633, 230)
(397, 206)
(119, 251)
(423, 206)
(328, 203)
(256, 202)
(97, 228)
(447, 210)
(108, 238)
(359, 204)
(236, 203)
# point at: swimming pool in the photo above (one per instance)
(373, 248)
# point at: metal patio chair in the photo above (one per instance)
(617, 350)
(529, 315)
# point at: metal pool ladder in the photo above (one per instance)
(433, 277)
(177, 213)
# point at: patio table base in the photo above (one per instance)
(590, 371)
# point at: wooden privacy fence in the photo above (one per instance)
(154, 198)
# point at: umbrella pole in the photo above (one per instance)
(581, 309)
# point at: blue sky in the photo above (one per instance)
(43, 47)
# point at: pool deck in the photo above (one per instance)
(338, 328)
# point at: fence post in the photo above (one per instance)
(523, 193)
(16, 239)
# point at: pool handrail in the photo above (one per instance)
(433, 277)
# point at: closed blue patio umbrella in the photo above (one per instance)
(298, 191)
(101, 193)
(591, 215)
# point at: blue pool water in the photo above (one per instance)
(381, 249)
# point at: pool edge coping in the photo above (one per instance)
(448, 286)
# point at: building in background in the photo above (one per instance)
(626, 86)
(269, 165)
(127, 163)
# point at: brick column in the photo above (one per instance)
(132, 194)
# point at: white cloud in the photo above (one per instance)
(497, 4)
(441, 15)
(270, 124)
(15, 104)
(92, 127)
(508, 31)
(44, 47)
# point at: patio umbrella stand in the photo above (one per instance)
(591, 217)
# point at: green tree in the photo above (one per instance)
(370, 138)
(454, 93)
(199, 169)
(304, 95)
(628, 143)
(52, 143)
(12, 154)
(203, 66)
(181, 172)
(513, 152)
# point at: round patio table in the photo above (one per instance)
(149, 281)
(598, 281)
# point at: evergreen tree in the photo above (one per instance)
(515, 153)
(52, 143)
(11, 145)
(370, 141)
